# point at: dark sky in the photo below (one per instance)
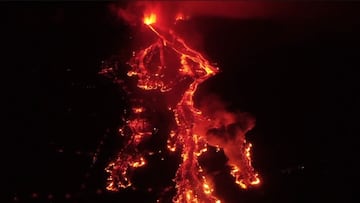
(296, 74)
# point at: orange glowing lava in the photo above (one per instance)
(192, 184)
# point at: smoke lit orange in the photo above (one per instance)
(194, 131)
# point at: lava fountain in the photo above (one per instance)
(195, 130)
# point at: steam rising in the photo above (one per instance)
(225, 129)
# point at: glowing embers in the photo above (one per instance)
(121, 169)
(136, 129)
(171, 142)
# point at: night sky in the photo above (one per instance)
(296, 74)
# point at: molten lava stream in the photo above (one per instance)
(191, 183)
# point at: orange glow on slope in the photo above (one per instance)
(179, 16)
(191, 183)
(138, 109)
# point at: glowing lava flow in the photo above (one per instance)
(191, 182)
